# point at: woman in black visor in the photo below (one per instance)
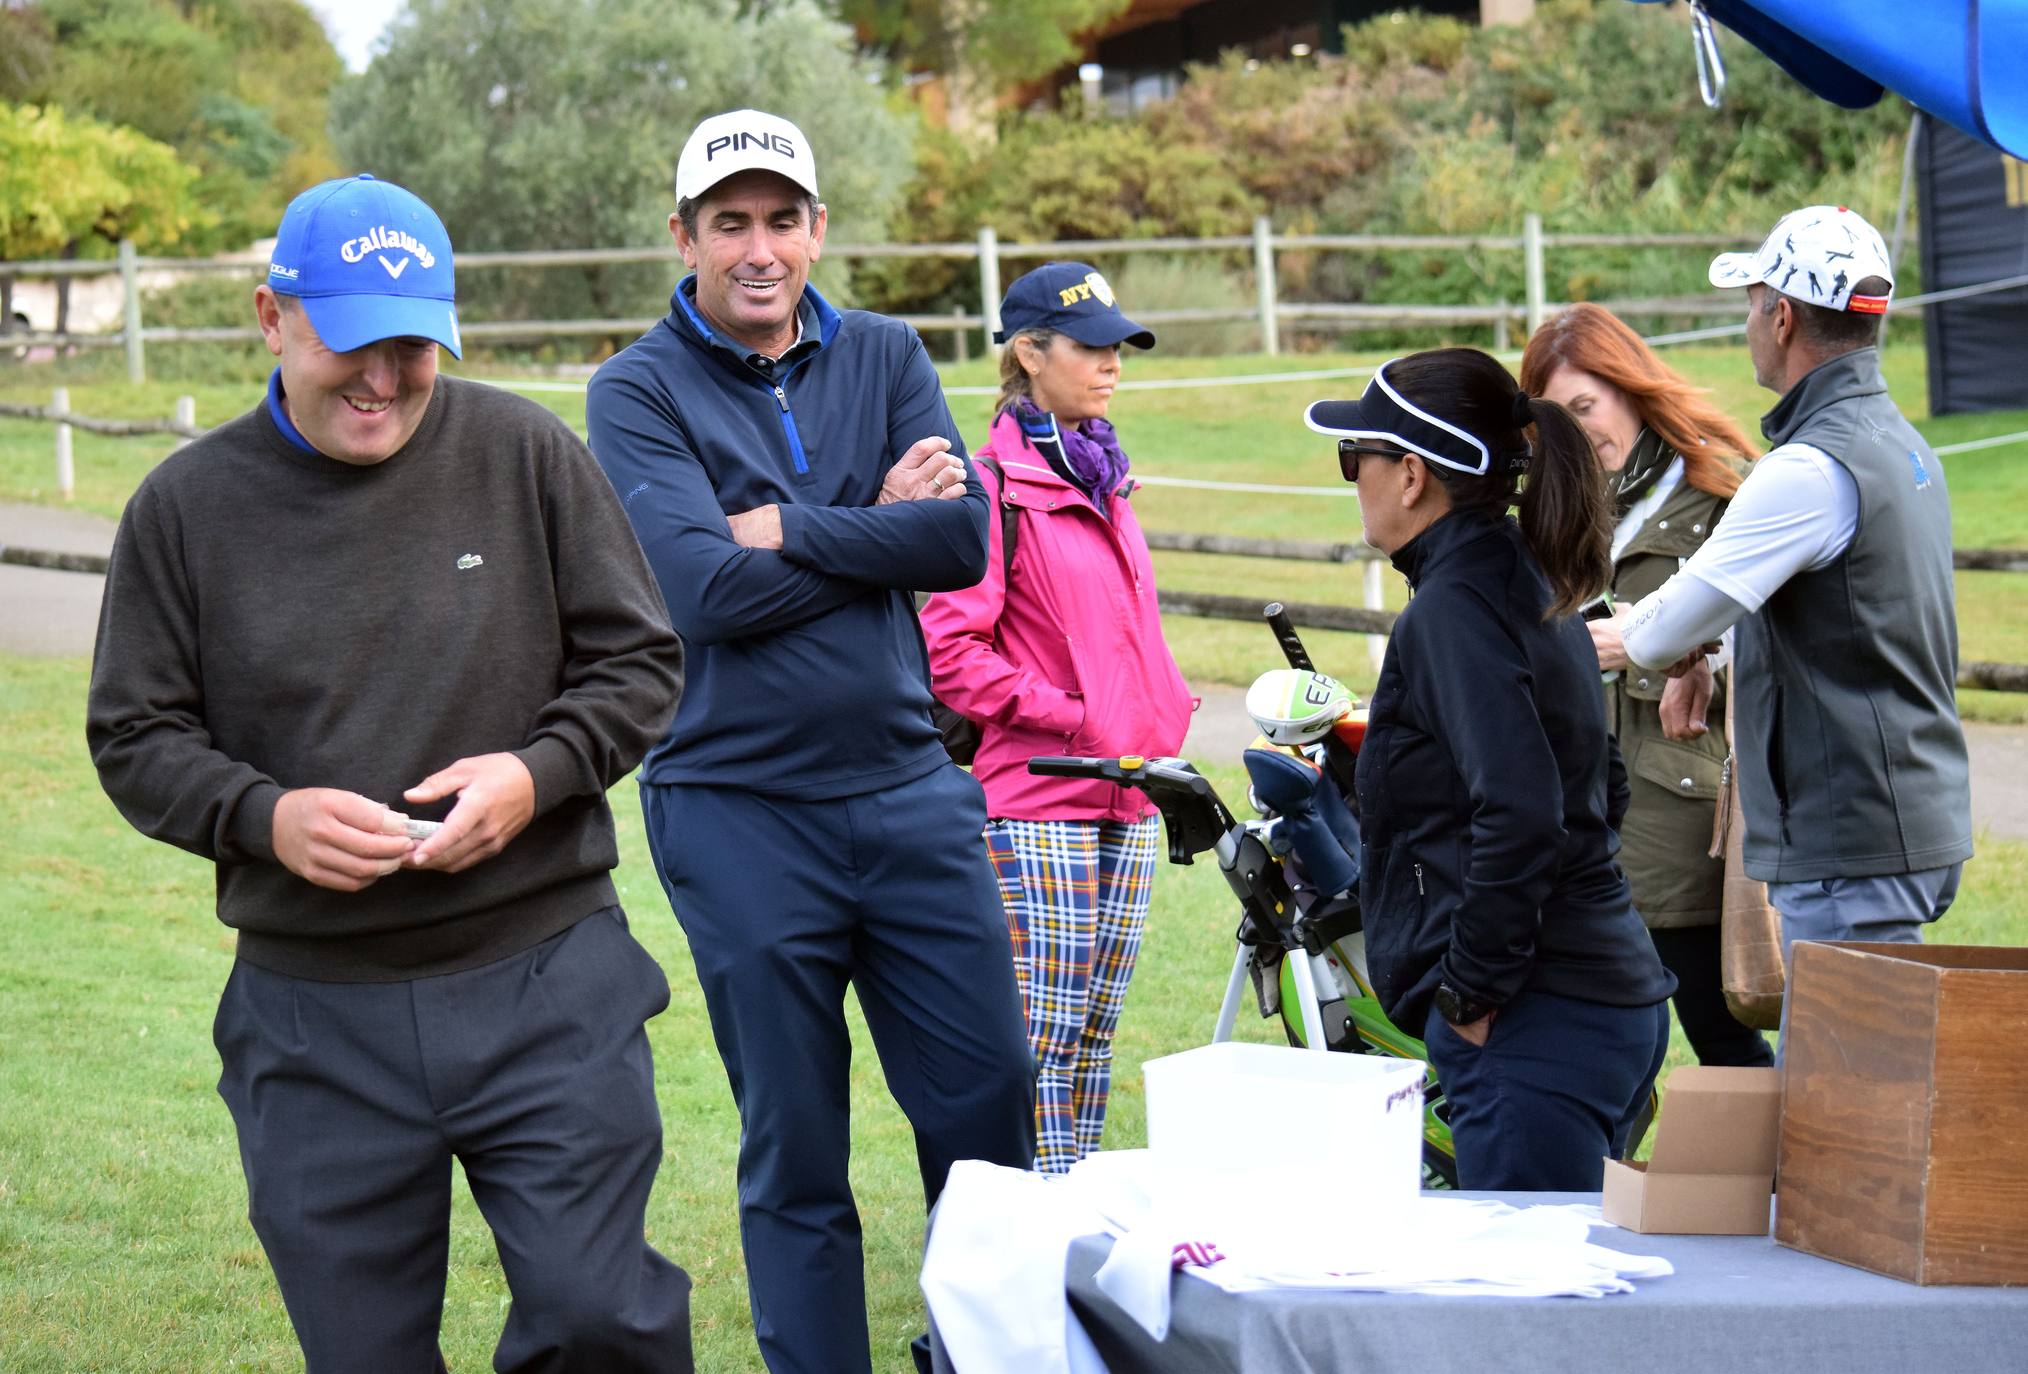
(1498, 924)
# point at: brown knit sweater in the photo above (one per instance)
(276, 619)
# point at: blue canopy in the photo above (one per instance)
(1960, 60)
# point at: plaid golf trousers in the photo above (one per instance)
(1077, 897)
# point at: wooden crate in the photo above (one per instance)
(1904, 1141)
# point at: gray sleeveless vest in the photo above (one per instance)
(1851, 759)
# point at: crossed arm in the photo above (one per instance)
(772, 567)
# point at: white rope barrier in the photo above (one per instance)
(1722, 331)
(1331, 373)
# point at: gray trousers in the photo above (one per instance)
(1890, 909)
(352, 1099)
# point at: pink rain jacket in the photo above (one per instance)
(1070, 658)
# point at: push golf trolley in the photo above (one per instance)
(1295, 871)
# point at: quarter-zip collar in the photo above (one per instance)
(770, 377)
(685, 317)
(1844, 377)
(1451, 531)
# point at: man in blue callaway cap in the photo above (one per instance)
(383, 589)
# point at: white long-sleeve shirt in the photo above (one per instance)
(1797, 511)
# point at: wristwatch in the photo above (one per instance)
(1460, 1009)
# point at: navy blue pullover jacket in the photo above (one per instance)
(1485, 797)
(807, 674)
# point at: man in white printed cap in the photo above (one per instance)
(794, 475)
(1834, 565)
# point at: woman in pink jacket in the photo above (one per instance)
(1062, 653)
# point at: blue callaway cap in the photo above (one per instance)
(1071, 298)
(369, 261)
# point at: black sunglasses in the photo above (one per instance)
(1351, 450)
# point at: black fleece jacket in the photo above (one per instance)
(274, 618)
(1483, 792)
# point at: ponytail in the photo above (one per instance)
(1565, 515)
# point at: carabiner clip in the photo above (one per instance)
(1710, 66)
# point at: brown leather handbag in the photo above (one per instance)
(1750, 929)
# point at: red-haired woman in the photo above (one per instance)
(1672, 461)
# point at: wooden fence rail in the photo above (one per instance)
(1992, 677)
(1270, 312)
(1317, 551)
(118, 428)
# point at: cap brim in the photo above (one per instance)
(1735, 269)
(700, 186)
(344, 323)
(1344, 420)
(1357, 420)
(1103, 331)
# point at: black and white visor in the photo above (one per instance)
(1384, 413)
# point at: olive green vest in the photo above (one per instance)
(1666, 837)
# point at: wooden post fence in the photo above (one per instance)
(1532, 272)
(989, 285)
(1268, 311)
(1264, 278)
(66, 470)
(130, 313)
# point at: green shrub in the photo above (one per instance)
(1148, 282)
(1588, 116)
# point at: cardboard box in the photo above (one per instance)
(1237, 1107)
(1712, 1169)
(1904, 1143)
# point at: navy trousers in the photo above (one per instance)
(351, 1100)
(1555, 1089)
(784, 903)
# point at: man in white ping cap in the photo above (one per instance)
(794, 476)
(1834, 565)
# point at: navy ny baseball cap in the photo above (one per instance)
(369, 261)
(1070, 298)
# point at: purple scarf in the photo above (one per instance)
(1091, 450)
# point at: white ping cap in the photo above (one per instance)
(739, 141)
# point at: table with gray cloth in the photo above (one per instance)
(1740, 1304)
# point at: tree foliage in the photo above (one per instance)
(74, 187)
(1005, 42)
(1588, 116)
(237, 87)
(556, 124)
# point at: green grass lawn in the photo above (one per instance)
(123, 1239)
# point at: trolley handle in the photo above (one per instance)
(1192, 813)
(1277, 617)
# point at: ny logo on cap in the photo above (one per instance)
(1093, 285)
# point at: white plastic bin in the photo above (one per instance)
(1355, 1119)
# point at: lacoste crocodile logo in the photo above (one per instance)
(469, 562)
